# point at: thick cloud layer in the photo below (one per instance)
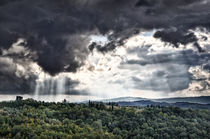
(14, 78)
(56, 33)
(148, 67)
(173, 75)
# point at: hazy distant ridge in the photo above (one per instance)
(202, 102)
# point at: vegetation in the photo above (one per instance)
(32, 119)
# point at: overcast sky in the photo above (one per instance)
(105, 48)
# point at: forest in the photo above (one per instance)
(30, 119)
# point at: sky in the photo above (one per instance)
(105, 48)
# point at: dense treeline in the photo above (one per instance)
(32, 119)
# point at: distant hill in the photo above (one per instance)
(202, 102)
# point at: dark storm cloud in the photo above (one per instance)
(177, 37)
(107, 47)
(12, 80)
(164, 3)
(147, 3)
(46, 23)
(184, 14)
(57, 31)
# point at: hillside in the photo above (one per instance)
(199, 100)
(202, 102)
(32, 119)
